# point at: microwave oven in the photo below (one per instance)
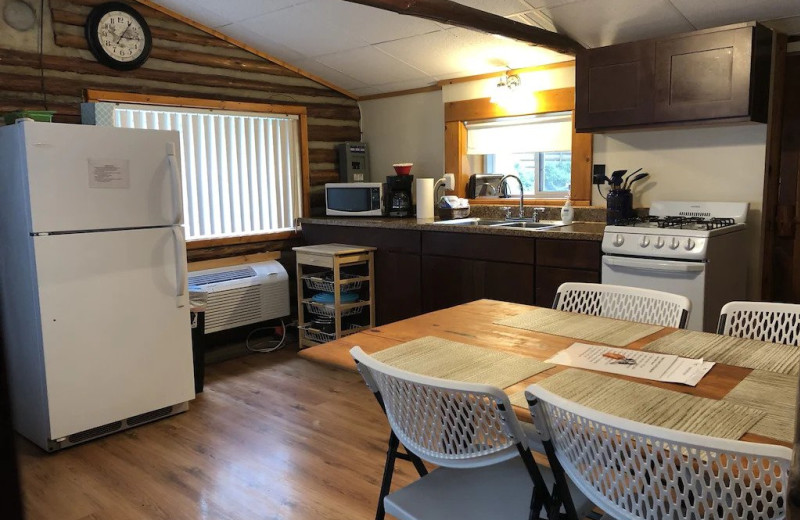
(354, 199)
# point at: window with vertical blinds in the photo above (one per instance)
(241, 171)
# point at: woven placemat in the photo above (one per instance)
(651, 405)
(776, 394)
(436, 357)
(740, 352)
(579, 326)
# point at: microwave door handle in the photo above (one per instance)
(654, 265)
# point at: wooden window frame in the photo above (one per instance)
(545, 101)
(96, 96)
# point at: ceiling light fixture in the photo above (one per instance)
(505, 88)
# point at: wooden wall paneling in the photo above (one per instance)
(772, 169)
(545, 101)
(455, 151)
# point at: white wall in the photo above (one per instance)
(404, 129)
(718, 163)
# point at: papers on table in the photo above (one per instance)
(658, 367)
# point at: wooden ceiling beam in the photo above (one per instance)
(453, 13)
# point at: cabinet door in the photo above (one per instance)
(703, 76)
(398, 279)
(505, 282)
(447, 281)
(548, 279)
(614, 86)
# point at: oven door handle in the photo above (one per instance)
(670, 266)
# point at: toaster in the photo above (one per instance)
(484, 185)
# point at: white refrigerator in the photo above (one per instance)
(92, 279)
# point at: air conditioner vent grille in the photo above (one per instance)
(200, 280)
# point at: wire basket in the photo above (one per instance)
(327, 310)
(316, 335)
(316, 282)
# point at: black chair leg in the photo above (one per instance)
(388, 471)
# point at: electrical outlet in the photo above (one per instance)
(599, 174)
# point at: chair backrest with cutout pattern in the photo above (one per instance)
(765, 321)
(624, 303)
(634, 471)
(448, 423)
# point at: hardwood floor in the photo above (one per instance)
(272, 437)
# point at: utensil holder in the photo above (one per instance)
(619, 206)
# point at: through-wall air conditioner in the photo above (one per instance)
(240, 295)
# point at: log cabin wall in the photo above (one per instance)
(184, 62)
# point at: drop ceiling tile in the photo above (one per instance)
(370, 65)
(197, 12)
(596, 23)
(789, 25)
(238, 10)
(373, 25)
(498, 7)
(334, 76)
(303, 28)
(536, 4)
(465, 52)
(712, 13)
(406, 85)
(261, 42)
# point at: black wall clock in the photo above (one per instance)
(118, 36)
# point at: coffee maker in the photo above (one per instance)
(398, 195)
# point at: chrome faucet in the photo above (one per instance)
(521, 193)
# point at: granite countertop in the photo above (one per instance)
(575, 231)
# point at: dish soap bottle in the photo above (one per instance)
(567, 212)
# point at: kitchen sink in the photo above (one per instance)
(517, 224)
(527, 225)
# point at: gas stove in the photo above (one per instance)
(679, 230)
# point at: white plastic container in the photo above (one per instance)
(567, 213)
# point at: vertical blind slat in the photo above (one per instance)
(241, 173)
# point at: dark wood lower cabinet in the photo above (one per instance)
(398, 279)
(548, 279)
(424, 271)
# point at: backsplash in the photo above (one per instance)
(582, 214)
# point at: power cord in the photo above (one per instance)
(600, 192)
(267, 349)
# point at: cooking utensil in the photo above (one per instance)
(631, 174)
(637, 178)
(616, 178)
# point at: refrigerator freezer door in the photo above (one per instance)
(84, 177)
(116, 337)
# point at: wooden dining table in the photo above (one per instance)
(473, 323)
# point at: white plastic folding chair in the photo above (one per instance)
(624, 303)
(485, 469)
(634, 471)
(765, 321)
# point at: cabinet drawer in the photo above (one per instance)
(479, 247)
(575, 254)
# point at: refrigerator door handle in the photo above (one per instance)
(177, 198)
(180, 265)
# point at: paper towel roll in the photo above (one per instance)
(424, 189)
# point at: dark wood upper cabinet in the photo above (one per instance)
(714, 75)
(614, 85)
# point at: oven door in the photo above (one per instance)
(674, 276)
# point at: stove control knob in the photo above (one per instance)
(645, 241)
(659, 243)
(619, 240)
(674, 243)
(689, 244)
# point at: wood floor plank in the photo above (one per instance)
(272, 437)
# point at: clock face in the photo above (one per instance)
(121, 36)
(118, 36)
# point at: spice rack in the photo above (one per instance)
(335, 291)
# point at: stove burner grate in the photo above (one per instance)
(679, 222)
